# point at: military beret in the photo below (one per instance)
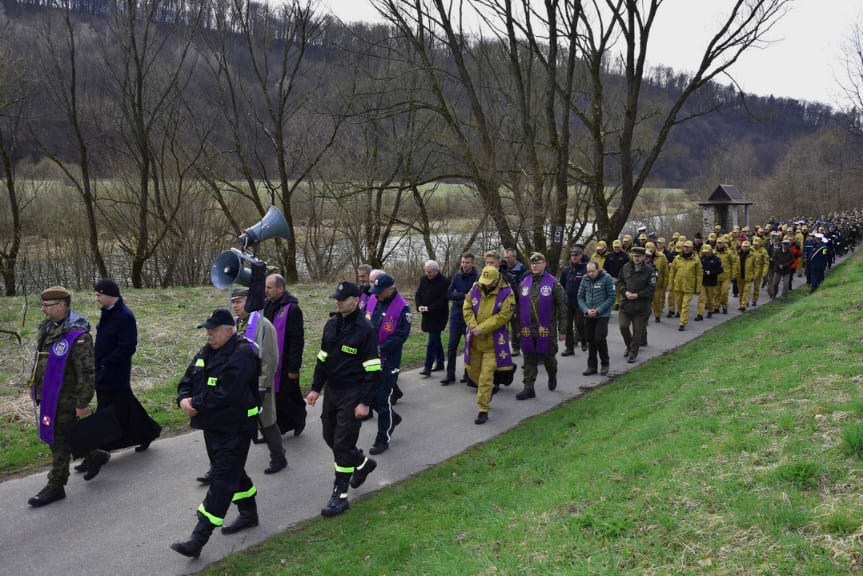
(240, 293)
(536, 257)
(55, 293)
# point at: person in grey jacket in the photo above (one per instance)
(596, 296)
(261, 331)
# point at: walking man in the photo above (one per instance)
(637, 283)
(461, 284)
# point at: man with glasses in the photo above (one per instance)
(62, 385)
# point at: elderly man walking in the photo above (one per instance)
(432, 303)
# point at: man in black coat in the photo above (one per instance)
(461, 283)
(283, 310)
(116, 343)
(570, 279)
(433, 304)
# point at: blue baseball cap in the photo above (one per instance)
(382, 282)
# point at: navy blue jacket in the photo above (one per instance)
(458, 288)
(818, 258)
(391, 349)
(116, 342)
(570, 279)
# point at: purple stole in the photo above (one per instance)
(371, 304)
(364, 298)
(52, 383)
(390, 321)
(280, 321)
(536, 343)
(502, 355)
(252, 327)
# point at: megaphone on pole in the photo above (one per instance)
(229, 267)
(271, 225)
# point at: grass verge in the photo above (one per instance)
(738, 453)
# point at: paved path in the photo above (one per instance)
(122, 522)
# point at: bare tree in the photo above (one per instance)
(432, 25)
(13, 97)
(63, 81)
(148, 66)
(747, 25)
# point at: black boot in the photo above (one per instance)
(192, 547)
(205, 479)
(248, 518)
(568, 352)
(397, 394)
(526, 393)
(362, 472)
(481, 418)
(81, 467)
(95, 461)
(47, 495)
(552, 381)
(339, 500)
(273, 437)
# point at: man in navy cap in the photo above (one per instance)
(219, 392)
(390, 316)
(349, 366)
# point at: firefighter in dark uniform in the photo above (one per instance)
(219, 392)
(391, 320)
(349, 366)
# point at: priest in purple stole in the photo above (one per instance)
(390, 316)
(62, 386)
(542, 316)
(283, 311)
(487, 309)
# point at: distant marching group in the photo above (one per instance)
(246, 378)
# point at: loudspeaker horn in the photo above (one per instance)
(271, 225)
(229, 268)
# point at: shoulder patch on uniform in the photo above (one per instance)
(409, 317)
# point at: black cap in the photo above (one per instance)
(382, 282)
(108, 288)
(346, 290)
(218, 318)
(638, 249)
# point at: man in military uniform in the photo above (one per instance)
(637, 283)
(748, 269)
(390, 315)
(759, 253)
(614, 263)
(657, 259)
(570, 279)
(729, 271)
(219, 393)
(542, 316)
(349, 367)
(256, 328)
(62, 386)
(685, 278)
(708, 296)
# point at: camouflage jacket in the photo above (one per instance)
(79, 378)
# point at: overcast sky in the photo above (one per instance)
(804, 62)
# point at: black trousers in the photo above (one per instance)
(138, 428)
(632, 328)
(290, 406)
(597, 333)
(457, 329)
(383, 404)
(574, 319)
(341, 427)
(229, 482)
